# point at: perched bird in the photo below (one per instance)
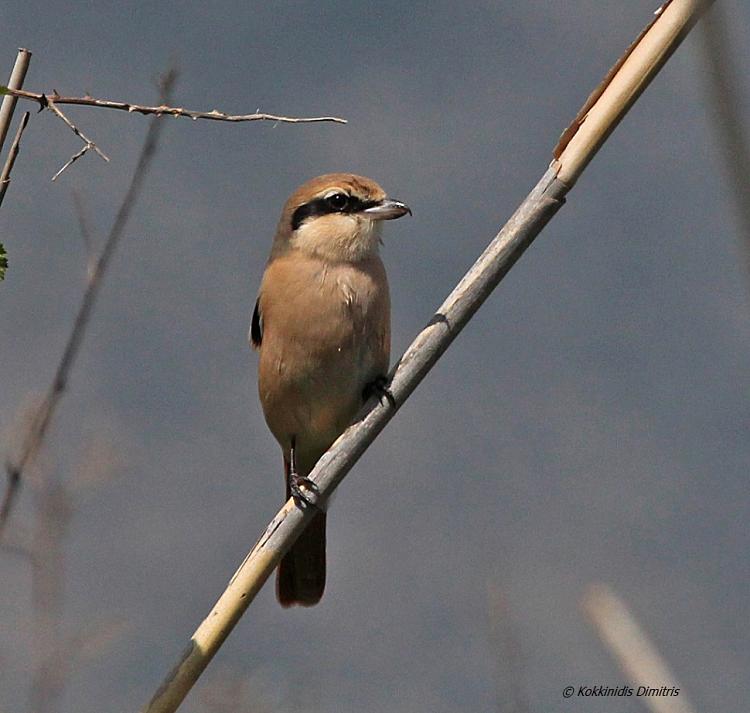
(322, 327)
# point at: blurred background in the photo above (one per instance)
(589, 425)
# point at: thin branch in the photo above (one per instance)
(511, 697)
(15, 82)
(52, 102)
(52, 660)
(518, 233)
(723, 86)
(12, 154)
(52, 106)
(12, 486)
(634, 652)
(37, 430)
(71, 161)
(45, 99)
(88, 143)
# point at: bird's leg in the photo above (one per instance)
(301, 487)
(379, 387)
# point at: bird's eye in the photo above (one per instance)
(337, 201)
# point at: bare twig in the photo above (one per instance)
(723, 86)
(52, 658)
(71, 161)
(12, 154)
(634, 652)
(511, 697)
(88, 143)
(57, 654)
(53, 100)
(52, 106)
(537, 209)
(9, 101)
(45, 99)
(12, 486)
(37, 430)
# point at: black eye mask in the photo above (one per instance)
(335, 203)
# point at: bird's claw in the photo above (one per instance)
(304, 490)
(379, 387)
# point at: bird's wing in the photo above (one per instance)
(256, 326)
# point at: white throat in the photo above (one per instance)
(338, 237)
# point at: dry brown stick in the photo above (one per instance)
(39, 425)
(12, 154)
(634, 652)
(620, 89)
(52, 106)
(45, 99)
(52, 102)
(72, 160)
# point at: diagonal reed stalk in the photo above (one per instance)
(600, 115)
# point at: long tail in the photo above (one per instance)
(301, 576)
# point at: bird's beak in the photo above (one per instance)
(387, 209)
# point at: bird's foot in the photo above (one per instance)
(379, 387)
(303, 490)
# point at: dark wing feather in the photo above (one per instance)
(256, 326)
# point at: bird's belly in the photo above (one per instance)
(324, 339)
(316, 400)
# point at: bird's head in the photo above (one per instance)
(336, 217)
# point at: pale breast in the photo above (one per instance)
(326, 335)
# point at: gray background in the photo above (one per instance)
(589, 425)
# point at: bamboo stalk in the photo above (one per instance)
(634, 652)
(15, 82)
(622, 86)
(526, 223)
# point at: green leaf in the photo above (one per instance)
(3, 262)
(3, 90)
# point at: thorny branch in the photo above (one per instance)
(214, 115)
(88, 143)
(41, 419)
(53, 100)
(52, 106)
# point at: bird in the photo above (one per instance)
(321, 326)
